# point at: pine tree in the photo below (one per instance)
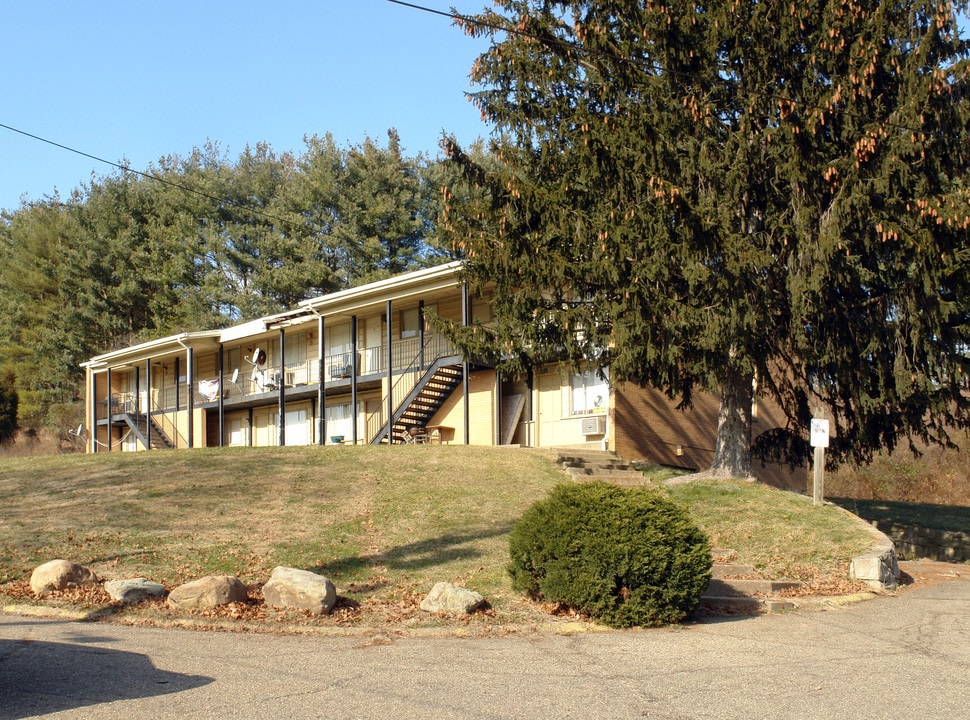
(736, 197)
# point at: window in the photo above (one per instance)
(410, 321)
(588, 392)
(481, 312)
(232, 360)
(295, 349)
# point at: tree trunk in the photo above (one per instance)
(732, 450)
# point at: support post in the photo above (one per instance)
(108, 406)
(818, 486)
(148, 402)
(281, 391)
(222, 395)
(93, 386)
(177, 402)
(465, 367)
(389, 338)
(819, 438)
(421, 334)
(190, 394)
(353, 378)
(321, 385)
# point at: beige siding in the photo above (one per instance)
(481, 411)
(555, 426)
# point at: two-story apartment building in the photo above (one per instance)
(362, 366)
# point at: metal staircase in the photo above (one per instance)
(423, 401)
(138, 422)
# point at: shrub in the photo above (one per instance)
(627, 557)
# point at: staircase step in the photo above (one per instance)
(729, 594)
(732, 605)
(719, 587)
(727, 570)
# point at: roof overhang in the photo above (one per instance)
(154, 349)
(399, 287)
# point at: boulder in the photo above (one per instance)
(208, 592)
(300, 590)
(447, 598)
(133, 590)
(58, 575)
(879, 568)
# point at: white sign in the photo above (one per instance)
(820, 433)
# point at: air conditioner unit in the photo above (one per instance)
(595, 425)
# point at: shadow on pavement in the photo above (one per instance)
(37, 678)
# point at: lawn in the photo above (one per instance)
(384, 524)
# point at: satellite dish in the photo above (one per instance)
(259, 357)
(235, 376)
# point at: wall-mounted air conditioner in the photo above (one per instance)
(595, 425)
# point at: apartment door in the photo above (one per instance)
(237, 431)
(373, 337)
(297, 427)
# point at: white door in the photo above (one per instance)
(264, 429)
(297, 428)
(374, 354)
(236, 430)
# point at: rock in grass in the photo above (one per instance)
(447, 598)
(209, 592)
(300, 590)
(58, 575)
(133, 590)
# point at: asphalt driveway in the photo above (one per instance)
(900, 656)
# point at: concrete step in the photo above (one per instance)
(730, 569)
(602, 465)
(714, 605)
(719, 587)
(736, 589)
(604, 471)
(620, 479)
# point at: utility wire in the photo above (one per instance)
(651, 65)
(149, 176)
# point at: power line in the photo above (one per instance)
(149, 176)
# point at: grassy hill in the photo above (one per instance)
(383, 523)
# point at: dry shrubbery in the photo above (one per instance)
(31, 444)
(937, 476)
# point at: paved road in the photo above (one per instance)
(903, 656)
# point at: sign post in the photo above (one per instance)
(819, 441)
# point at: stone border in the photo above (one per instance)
(915, 542)
(879, 569)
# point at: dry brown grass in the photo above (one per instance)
(781, 534)
(383, 523)
(937, 477)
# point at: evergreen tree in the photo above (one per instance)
(8, 406)
(378, 208)
(40, 348)
(737, 197)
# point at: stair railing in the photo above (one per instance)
(163, 419)
(435, 347)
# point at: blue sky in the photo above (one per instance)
(136, 81)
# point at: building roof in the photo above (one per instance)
(344, 302)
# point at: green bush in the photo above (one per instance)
(627, 557)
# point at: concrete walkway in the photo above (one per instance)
(900, 656)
